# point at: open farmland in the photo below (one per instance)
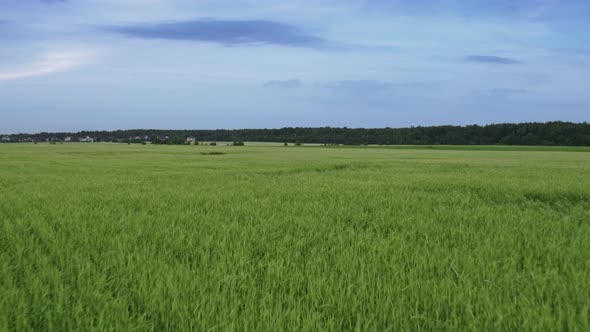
(117, 237)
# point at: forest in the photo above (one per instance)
(547, 134)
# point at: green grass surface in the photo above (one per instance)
(123, 237)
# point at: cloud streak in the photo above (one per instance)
(287, 84)
(225, 32)
(48, 64)
(491, 59)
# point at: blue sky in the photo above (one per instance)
(68, 65)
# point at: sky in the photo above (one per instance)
(70, 65)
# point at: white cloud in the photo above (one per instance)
(49, 63)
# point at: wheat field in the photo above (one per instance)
(215, 238)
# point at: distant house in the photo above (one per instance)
(191, 140)
(163, 137)
(87, 139)
(68, 139)
(5, 139)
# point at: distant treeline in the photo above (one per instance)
(550, 133)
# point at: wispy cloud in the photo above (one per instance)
(498, 93)
(491, 59)
(361, 86)
(225, 32)
(294, 83)
(49, 63)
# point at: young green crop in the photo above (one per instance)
(122, 237)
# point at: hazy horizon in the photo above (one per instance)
(69, 66)
(265, 128)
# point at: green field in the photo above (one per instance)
(123, 237)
